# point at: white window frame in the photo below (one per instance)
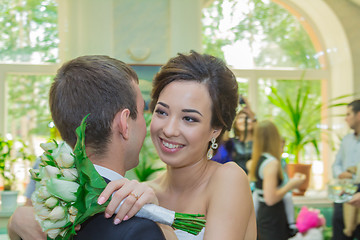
(20, 69)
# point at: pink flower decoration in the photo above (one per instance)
(309, 218)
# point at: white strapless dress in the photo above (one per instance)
(181, 235)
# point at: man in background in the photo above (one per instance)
(347, 158)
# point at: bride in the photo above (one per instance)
(194, 100)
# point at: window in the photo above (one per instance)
(28, 115)
(29, 37)
(28, 31)
(28, 53)
(253, 33)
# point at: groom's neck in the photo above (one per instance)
(111, 160)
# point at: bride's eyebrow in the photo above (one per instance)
(163, 104)
(191, 111)
(184, 110)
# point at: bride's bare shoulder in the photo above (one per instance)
(229, 172)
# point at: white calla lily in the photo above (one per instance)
(52, 172)
(35, 198)
(43, 193)
(53, 233)
(62, 189)
(65, 160)
(58, 213)
(41, 211)
(62, 148)
(42, 173)
(49, 146)
(48, 224)
(51, 202)
(70, 174)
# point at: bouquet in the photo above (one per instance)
(68, 187)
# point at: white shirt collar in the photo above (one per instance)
(107, 173)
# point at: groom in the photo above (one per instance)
(107, 89)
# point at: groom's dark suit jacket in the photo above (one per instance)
(100, 228)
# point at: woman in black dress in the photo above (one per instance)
(266, 172)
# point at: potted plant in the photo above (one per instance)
(299, 123)
(11, 152)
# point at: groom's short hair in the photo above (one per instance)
(99, 85)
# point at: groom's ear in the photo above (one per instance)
(120, 123)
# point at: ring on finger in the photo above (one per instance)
(135, 195)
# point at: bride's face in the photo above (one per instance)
(180, 126)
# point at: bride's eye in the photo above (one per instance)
(190, 119)
(160, 112)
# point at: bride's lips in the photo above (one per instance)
(170, 147)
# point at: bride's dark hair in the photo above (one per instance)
(208, 70)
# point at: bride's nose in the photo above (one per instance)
(171, 127)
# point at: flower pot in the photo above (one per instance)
(9, 200)
(293, 168)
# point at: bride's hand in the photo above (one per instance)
(136, 195)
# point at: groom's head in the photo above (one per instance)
(101, 86)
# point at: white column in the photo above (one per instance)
(85, 27)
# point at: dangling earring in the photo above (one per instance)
(213, 146)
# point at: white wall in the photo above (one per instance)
(141, 31)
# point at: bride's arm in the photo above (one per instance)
(230, 211)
